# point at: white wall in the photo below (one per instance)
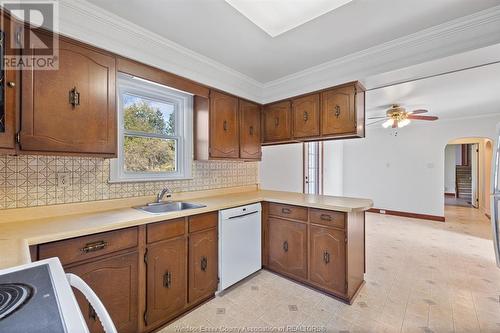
(450, 162)
(282, 168)
(333, 168)
(406, 172)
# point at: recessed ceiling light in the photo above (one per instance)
(278, 16)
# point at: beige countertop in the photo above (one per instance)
(23, 227)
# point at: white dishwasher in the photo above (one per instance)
(239, 243)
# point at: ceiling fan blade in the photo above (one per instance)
(375, 122)
(384, 107)
(419, 111)
(395, 124)
(422, 117)
(381, 117)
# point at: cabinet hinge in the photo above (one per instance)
(345, 286)
(18, 38)
(146, 317)
(18, 137)
(345, 240)
(146, 256)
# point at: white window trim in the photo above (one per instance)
(128, 84)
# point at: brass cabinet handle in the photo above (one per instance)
(276, 121)
(325, 217)
(95, 246)
(337, 111)
(251, 130)
(285, 246)
(286, 210)
(92, 313)
(326, 257)
(11, 84)
(306, 116)
(224, 125)
(74, 97)
(167, 280)
(204, 263)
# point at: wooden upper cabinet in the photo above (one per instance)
(338, 111)
(305, 113)
(115, 281)
(224, 126)
(9, 85)
(250, 138)
(277, 122)
(166, 280)
(327, 257)
(203, 265)
(71, 109)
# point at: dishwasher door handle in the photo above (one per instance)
(242, 215)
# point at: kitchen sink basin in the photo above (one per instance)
(175, 206)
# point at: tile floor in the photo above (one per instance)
(421, 276)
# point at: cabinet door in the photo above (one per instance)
(8, 86)
(277, 122)
(70, 109)
(338, 113)
(327, 258)
(224, 126)
(288, 247)
(166, 280)
(250, 131)
(202, 264)
(306, 116)
(114, 280)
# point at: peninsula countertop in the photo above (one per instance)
(17, 233)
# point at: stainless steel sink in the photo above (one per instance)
(174, 206)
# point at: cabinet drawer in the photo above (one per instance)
(203, 221)
(164, 230)
(327, 217)
(82, 248)
(288, 211)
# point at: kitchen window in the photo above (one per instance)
(155, 132)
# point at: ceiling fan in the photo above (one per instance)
(397, 116)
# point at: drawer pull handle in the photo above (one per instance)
(251, 130)
(74, 97)
(204, 263)
(337, 111)
(167, 280)
(325, 217)
(92, 313)
(276, 122)
(286, 210)
(92, 247)
(11, 84)
(326, 257)
(285, 246)
(306, 116)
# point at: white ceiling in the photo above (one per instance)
(464, 94)
(215, 29)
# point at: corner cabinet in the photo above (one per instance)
(71, 109)
(226, 127)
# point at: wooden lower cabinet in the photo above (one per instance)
(288, 247)
(203, 265)
(327, 258)
(166, 280)
(115, 281)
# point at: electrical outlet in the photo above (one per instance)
(382, 211)
(63, 179)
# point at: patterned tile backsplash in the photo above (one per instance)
(27, 181)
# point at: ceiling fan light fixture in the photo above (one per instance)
(404, 122)
(388, 123)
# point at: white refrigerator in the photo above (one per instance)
(495, 196)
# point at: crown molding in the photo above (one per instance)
(91, 24)
(463, 34)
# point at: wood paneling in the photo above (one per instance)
(327, 257)
(224, 126)
(51, 123)
(164, 230)
(305, 113)
(166, 290)
(288, 211)
(203, 221)
(203, 264)
(250, 134)
(87, 247)
(114, 280)
(277, 122)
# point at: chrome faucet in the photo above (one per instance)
(165, 192)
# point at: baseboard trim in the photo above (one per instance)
(407, 214)
(448, 194)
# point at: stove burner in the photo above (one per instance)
(12, 297)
